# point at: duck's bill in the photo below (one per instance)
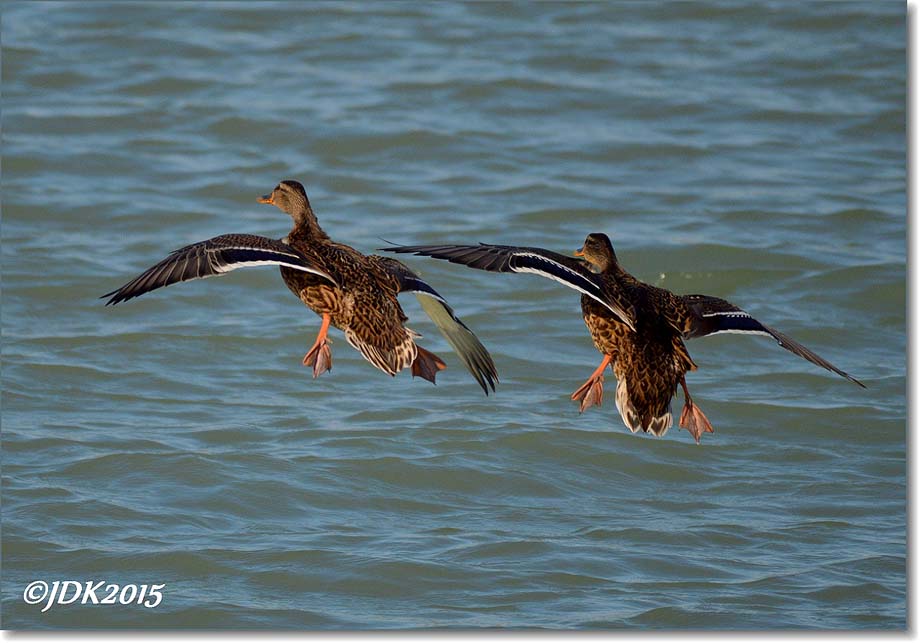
(265, 198)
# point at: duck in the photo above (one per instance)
(352, 292)
(639, 329)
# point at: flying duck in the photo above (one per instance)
(351, 291)
(639, 329)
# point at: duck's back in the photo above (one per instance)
(364, 305)
(649, 362)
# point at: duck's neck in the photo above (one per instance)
(614, 270)
(612, 265)
(306, 226)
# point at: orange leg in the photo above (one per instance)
(319, 356)
(592, 391)
(691, 417)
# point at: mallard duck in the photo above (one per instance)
(638, 328)
(355, 293)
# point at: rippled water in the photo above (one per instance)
(750, 151)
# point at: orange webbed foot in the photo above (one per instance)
(426, 365)
(319, 357)
(590, 393)
(693, 419)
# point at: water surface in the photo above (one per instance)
(752, 152)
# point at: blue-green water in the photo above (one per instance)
(750, 151)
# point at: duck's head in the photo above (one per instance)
(598, 252)
(290, 197)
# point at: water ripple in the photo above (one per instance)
(753, 152)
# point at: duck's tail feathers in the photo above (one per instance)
(657, 425)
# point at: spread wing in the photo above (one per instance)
(214, 257)
(568, 271)
(464, 342)
(711, 315)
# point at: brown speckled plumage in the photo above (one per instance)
(363, 305)
(351, 291)
(638, 328)
(649, 362)
(648, 365)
